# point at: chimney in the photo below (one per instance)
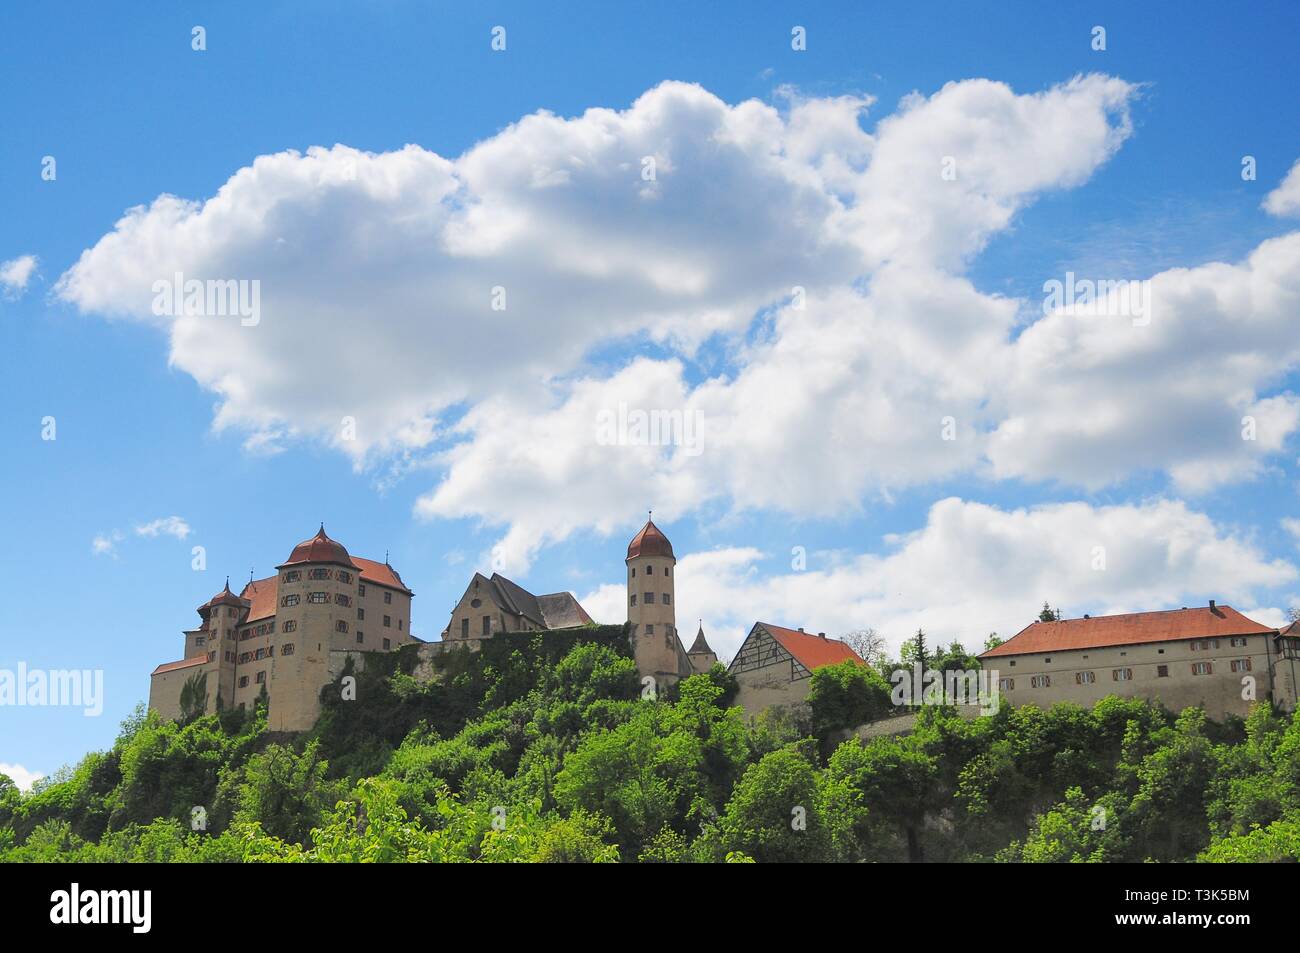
(821, 635)
(1212, 609)
(1086, 616)
(800, 628)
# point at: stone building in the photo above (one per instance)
(774, 665)
(1211, 657)
(495, 604)
(288, 634)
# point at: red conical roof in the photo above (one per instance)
(319, 549)
(650, 542)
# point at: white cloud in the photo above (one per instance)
(377, 273)
(15, 273)
(105, 544)
(1090, 400)
(20, 776)
(1285, 199)
(975, 569)
(168, 526)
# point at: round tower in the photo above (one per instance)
(652, 604)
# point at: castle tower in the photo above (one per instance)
(702, 657)
(651, 606)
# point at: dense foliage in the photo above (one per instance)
(544, 748)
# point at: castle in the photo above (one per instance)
(287, 636)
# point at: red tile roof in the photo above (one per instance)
(319, 549)
(1131, 629)
(260, 595)
(812, 651)
(381, 574)
(183, 663)
(650, 542)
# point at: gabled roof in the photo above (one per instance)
(260, 596)
(650, 542)
(1132, 628)
(183, 663)
(812, 651)
(381, 574)
(560, 610)
(518, 599)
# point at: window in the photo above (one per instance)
(667, 599)
(649, 598)
(633, 572)
(343, 576)
(245, 657)
(361, 614)
(1162, 671)
(320, 572)
(293, 575)
(340, 626)
(1040, 681)
(1084, 678)
(229, 656)
(318, 597)
(464, 628)
(200, 640)
(1205, 645)
(1121, 675)
(1006, 684)
(360, 637)
(475, 603)
(1237, 641)
(286, 649)
(400, 623)
(388, 598)
(290, 625)
(1202, 668)
(342, 600)
(388, 621)
(1240, 665)
(261, 677)
(243, 681)
(361, 588)
(259, 654)
(289, 601)
(649, 570)
(487, 624)
(649, 630)
(387, 645)
(633, 599)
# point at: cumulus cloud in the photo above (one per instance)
(20, 776)
(166, 526)
(15, 273)
(1285, 199)
(826, 260)
(1090, 399)
(973, 569)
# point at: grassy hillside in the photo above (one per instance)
(542, 748)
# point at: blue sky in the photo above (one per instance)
(130, 112)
